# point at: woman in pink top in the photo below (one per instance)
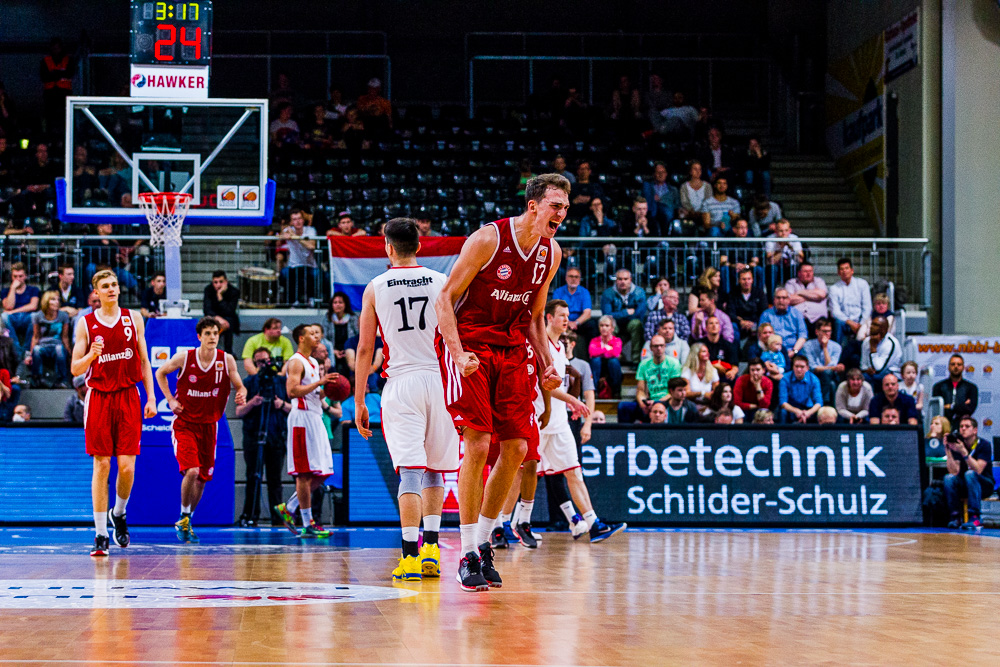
(604, 353)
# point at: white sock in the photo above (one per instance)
(505, 518)
(468, 531)
(498, 522)
(101, 523)
(432, 522)
(483, 529)
(292, 503)
(568, 511)
(120, 504)
(515, 516)
(185, 509)
(590, 517)
(307, 516)
(411, 533)
(525, 514)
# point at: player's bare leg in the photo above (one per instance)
(578, 490)
(123, 489)
(305, 484)
(99, 494)
(192, 487)
(521, 516)
(499, 538)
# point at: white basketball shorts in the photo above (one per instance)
(308, 444)
(416, 423)
(558, 453)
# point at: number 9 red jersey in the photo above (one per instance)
(119, 365)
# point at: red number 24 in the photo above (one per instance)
(172, 37)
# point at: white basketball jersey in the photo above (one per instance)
(404, 303)
(310, 402)
(558, 418)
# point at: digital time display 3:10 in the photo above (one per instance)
(171, 33)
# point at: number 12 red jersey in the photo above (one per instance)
(496, 308)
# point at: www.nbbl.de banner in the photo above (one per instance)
(982, 367)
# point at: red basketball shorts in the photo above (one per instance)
(112, 422)
(531, 455)
(496, 398)
(194, 446)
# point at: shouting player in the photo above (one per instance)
(310, 459)
(111, 349)
(557, 446)
(491, 303)
(422, 442)
(203, 380)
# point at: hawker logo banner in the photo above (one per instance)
(982, 367)
(755, 475)
(354, 261)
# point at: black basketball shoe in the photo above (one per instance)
(489, 572)
(120, 532)
(470, 573)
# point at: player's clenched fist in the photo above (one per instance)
(467, 363)
(550, 379)
(150, 410)
(96, 348)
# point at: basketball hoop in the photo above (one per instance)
(165, 212)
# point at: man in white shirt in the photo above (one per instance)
(300, 274)
(881, 353)
(850, 302)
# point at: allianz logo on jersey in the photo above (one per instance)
(513, 297)
(194, 393)
(118, 356)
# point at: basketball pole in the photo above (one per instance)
(173, 304)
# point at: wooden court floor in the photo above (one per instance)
(641, 598)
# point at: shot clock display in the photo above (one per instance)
(172, 33)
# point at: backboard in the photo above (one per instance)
(212, 149)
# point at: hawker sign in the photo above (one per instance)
(169, 82)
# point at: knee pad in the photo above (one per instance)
(409, 481)
(432, 479)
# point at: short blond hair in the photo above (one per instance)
(47, 298)
(772, 339)
(101, 275)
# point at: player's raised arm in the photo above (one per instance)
(536, 330)
(147, 370)
(237, 381)
(476, 254)
(82, 356)
(175, 363)
(368, 329)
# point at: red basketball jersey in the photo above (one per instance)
(119, 366)
(203, 392)
(496, 308)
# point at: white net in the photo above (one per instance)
(165, 212)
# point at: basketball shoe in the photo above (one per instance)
(408, 569)
(430, 560)
(120, 532)
(498, 539)
(313, 530)
(183, 528)
(489, 572)
(525, 536)
(602, 531)
(286, 518)
(470, 573)
(508, 532)
(973, 524)
(578, 528)
(101, 546)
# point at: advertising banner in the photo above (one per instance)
(902, 46)
(755, 475)
(982, 367)
(170, 83)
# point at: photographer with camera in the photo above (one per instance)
(265, 431)
(970, 473)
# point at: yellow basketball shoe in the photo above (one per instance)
(407, 570)
(430, 560)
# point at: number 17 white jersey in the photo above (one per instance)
(404, 304)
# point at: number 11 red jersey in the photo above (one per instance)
(203, 392)
(496, 308)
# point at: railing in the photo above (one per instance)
(252, 263)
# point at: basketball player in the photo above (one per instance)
(422, 442)
(491, 303)
(310, 459)
(203, 380)
(111, 349)
(557, 446)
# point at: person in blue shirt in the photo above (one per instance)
(823, 354)
(787, 322)
(663, 198)
(626, 303)
(580, 305)
(799, 394)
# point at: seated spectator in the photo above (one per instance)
(826, 416)
(853, 397)
(39, 182)
(709, 280)
(20, 300)
(93, 303)
(284, 130)
(910, 384)
(663, 200)
(670, 301)
(152, 295)
(680, 410)
(891, 396)
(718, 211)
(655, 300)
(746, 304)
(890, 416)
(559, 167)
(335, 107)
(782, 254)
(706, 309)
(880, 308)
(753, 390)
(583, 190)
(73, 411)
(626, 104)
(807, 294)
(597, 222)
(850, 302)
(693, 192)
(677, 348)
(354, 132)
(375, 109)
(278, 347)
(799, 394)
(881, 353)
(639, 225)
(423, 228)
(351, 357)
(604, 364)
(677, 120)
(651, 383)
(763, 416)
(71, 297)
(722, 401)
(626, 303)
(100, 250)
(221, 301)
(764, 215)
(345, 226)
(22, 413)
(50, 340)
(961, 397)
(737, 256)
(342, 323)
(580, 305)
(717, 159)
(658, 413)
(970, 473)
(721, 353)
(757, 167)
(701, 376)
(824, 359)
(373, 402)
(526, 173)
(787, 322)
(758, 345)
(10, 394)
(934, 440)
(774, 358)
(320, 133)
(723, 416)
(299, 277)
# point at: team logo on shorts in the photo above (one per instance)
(504, 272)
